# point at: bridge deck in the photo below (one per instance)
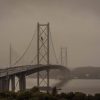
(20, 69)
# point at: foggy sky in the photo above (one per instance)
(74, 24)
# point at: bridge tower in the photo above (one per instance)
(43, 52)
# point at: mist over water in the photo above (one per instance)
(76, 85)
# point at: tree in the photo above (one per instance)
(54, 91)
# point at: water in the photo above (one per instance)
(75, 85)
(80, 85)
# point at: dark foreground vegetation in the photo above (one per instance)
(35, 94)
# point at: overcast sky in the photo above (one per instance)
(74, 24)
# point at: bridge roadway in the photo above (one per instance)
(8, 74)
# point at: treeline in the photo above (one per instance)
(35, 94)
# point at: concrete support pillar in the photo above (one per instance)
(12, 83)
(0, 84)
(22, 82)
(4, 84)
(48, 85)
(7, 83)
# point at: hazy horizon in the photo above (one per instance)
(74, 24)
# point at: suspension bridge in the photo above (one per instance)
(41, 64)
(44, 66)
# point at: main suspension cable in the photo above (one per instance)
(53, 48)
(25, 50)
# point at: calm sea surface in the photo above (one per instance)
(75, 85)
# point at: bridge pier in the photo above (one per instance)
(22, 82)
(7, 83)
(1, 84)
(4, 84)
(12, 83)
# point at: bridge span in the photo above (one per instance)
(9, 74)
(44, 40)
